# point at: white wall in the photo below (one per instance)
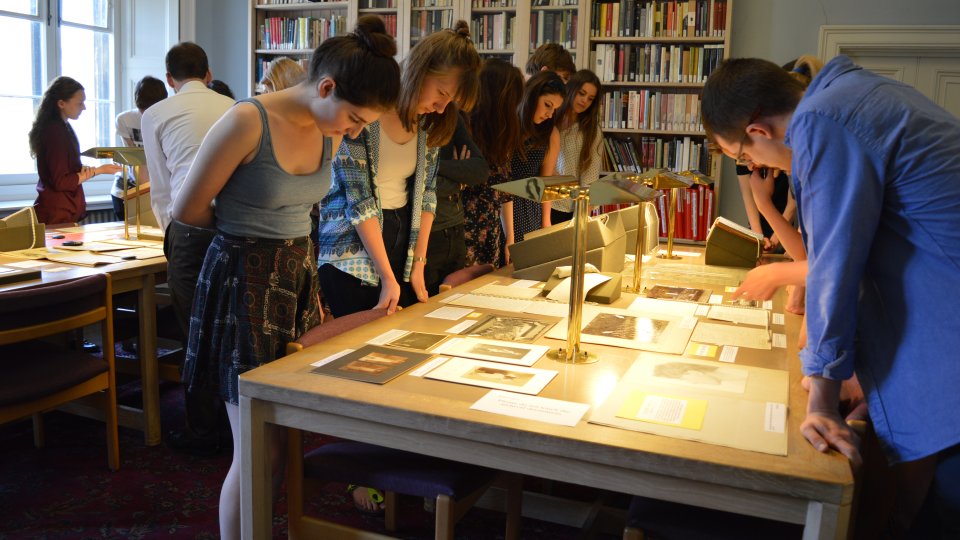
(781, 30)
(221, 29)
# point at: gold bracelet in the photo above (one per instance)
(417, 258)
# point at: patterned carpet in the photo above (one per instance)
(66, 491)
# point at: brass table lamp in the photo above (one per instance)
(552, 188)
(129, 157)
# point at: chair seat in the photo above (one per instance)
(394, 470)
(25, 381)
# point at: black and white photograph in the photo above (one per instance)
(630, 327)
(508, 328)
(420, 341)
(520, 379)
(521, 354)
(677, 293)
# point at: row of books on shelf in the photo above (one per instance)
(288, 2)
(658, 18)
(555, 3)
(493, 31)
(263, 62)
(284, 33)
(390, 21)
(692, 221)
(431, 3)
(648, 109)
(655, 62)
(423, 23)
(553, 27)
(377, 4)
(493, 3)
(682, 154)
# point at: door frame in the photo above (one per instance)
(888, 40)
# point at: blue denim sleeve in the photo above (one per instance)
(841, 196)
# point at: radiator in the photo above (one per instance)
(99, 216)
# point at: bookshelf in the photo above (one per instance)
(512, 29)
(653, 57)
(292, 28)
(426, 17)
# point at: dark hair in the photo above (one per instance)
(745, 88)
(187, 60)
(221, 88)
(494, 123)
(437, 54)
(551, 56)
(543, 83)
(362, 65)
(62, 88)
(589, 120)
(148, 91)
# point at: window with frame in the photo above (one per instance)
(60, 37)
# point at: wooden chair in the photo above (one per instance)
(464, 275)
(454, 486)
(37, 375)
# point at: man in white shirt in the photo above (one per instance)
(172, 132)
(149, 91)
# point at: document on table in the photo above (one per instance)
(552, 411)
(507, 291)
(756, 317)
(449, 313)
(727, 334)
(561, 293)
(490, 302)
(667, 307)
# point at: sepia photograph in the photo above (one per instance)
(502, 376)
(502, 351)
(613, 325)
(701, 375)
(371, 363)
(521, 354)
(507, 328)
(420, 341)
(677, 293)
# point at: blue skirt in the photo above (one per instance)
(253, 297)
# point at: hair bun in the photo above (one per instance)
(462, 28)
(372, 34)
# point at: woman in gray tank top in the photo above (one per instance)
(258, 172)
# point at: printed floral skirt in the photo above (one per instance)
(253, 296)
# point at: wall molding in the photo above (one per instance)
(925, 40)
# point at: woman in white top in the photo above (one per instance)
(578, 125)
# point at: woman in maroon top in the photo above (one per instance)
(54, 144)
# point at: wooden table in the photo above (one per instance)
(141, 276)
(433, 418)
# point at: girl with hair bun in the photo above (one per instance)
(375, 223)
(264, 164)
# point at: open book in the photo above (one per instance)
(731, 244)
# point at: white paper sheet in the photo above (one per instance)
(491, 302)
(449, 313)
(755, 317)
(550, 309)
(387, 337)
(727, 334)
(332, 357)
(524, 283)
(561, 293)
(552, 411)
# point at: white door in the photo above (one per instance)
(149, 28)
(936, 77)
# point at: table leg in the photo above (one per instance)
(256, 500)
(826, 521)
(149, 369)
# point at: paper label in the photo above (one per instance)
(768, 305)
(778, 318)
(671, 411)
(449, 313)
(456, 329)
(701, 349)
(780, 340)
(553, 411)
(716, 299)
(332, 357)
(429, 366)
(729, 354)
(387, 337)
(775, 417)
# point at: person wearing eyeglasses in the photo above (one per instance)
(875, 167)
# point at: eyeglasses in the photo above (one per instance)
(739, 159)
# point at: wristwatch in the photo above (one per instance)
(417, 258)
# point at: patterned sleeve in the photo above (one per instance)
(430, 188)
(350, 176)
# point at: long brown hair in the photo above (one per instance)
(62, 88)
(438, 54)
(542, 84)
(588, 120)
(494, 123)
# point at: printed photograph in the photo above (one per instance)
(726, 378)
(743, 302)
(677, 293)
(500, 376)
(502, 351)
(358, 366)
(506, 328)
(420, 341)
(383, 358)
(629, 327)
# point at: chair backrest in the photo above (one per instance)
(464, 275)
(335, 327)
(53, 308)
